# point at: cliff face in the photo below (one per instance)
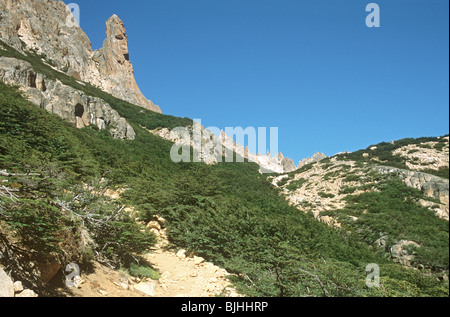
(432, 186)
(113, 63)
(46, 27)
(68, 103)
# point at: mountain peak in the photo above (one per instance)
(41, 26)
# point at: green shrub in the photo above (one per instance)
(228, 213)
(36, 223)
(352, 178)
(326, 195)
(142, 271)
(296, 184)
(282, 182)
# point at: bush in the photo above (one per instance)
(326, 195)
(296, 184)
(142, 271)
(393, 211)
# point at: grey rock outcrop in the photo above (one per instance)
(288, 165)
(113, 61)
(67, 102)
(211, 149)
(401, 254)
(432, 186)
(47, 28)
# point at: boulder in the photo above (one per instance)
(6, 285)
(198, 260)
(18, 287)
(181, 254)
(146, 288)
(27, 293)
(48, 269)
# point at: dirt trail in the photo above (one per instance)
(181, 276)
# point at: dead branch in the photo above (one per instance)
(8, 193)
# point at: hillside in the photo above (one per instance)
(85, 179)
(385, 206)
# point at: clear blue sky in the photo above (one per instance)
(310, 67)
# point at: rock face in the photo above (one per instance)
(432, 186)
(317, 157)
(400, 253)
(214, 148)
(68, 103)
(113, 61)
(6, 285)
(47, 27)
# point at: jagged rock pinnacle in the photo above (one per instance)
(41, 27)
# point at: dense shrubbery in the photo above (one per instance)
(53, 161)
(36, 223)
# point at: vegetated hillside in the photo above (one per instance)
(351, 193)
(230, 214)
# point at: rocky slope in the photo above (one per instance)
(432, 155)
(432, 186)
(67, 102)
(228, 214)
(46, 27)
(317, 157)
(323, 188)
(215, 149)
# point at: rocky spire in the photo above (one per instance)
(114, 63)
(41, 26)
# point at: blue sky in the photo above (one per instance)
(310, 67)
